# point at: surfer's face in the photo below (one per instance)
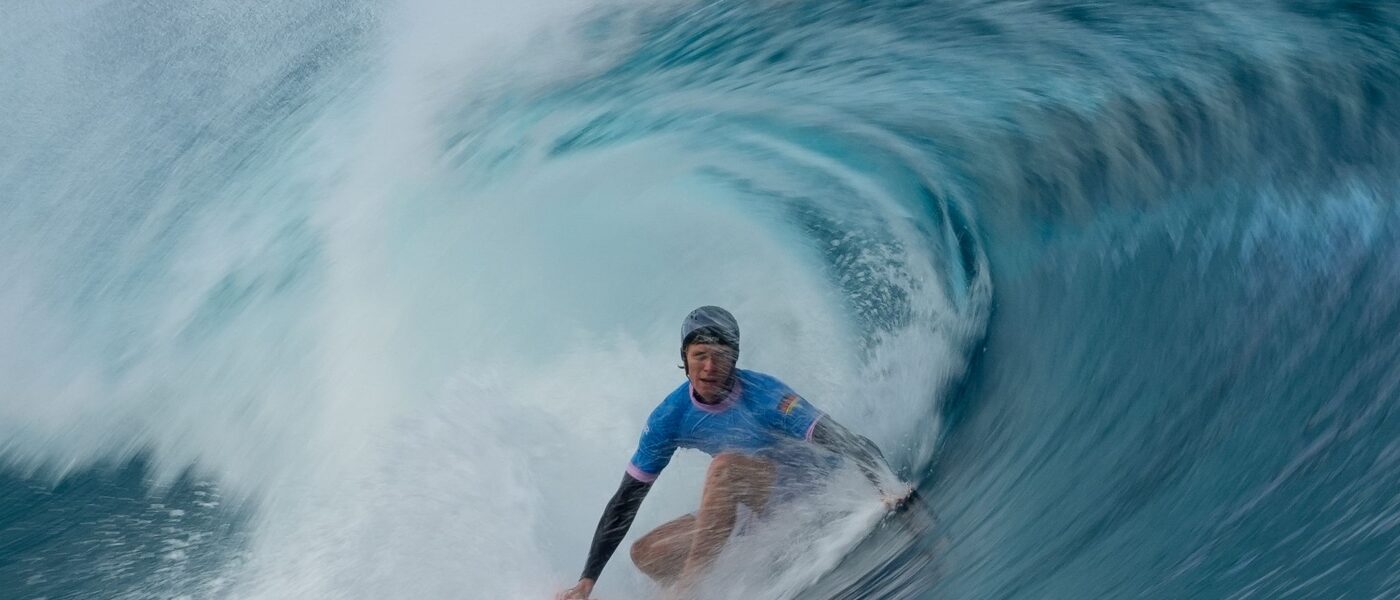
(709, 367)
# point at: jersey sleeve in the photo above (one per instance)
(792, 414)
(655, 448)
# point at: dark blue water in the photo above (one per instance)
(104, 532)
(1116, 284)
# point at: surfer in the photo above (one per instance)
(753, 426)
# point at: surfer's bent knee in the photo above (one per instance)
(731, 467)
(723, 465)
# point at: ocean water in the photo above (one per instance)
(308, 299)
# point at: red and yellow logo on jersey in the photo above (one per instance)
(789, 402)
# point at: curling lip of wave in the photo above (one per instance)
(1156, 190)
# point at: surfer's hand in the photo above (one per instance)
(578, 592)
(896, 497)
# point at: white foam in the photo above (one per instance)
(445, 408)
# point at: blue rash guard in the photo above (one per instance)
(758, 416)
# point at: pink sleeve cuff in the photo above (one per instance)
(813, 427)
(646, 477)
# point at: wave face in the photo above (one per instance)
(344, 300)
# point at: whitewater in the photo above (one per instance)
(313, 299)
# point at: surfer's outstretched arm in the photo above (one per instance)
(832, 436)
(612, 527)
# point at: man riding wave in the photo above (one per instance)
(753, 425)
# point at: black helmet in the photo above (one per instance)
(712, 324)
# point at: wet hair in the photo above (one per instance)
(707, 335)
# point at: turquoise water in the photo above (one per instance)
(370, 300)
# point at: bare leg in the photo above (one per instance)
(661, 553)
(733, 479)
(667, 551)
